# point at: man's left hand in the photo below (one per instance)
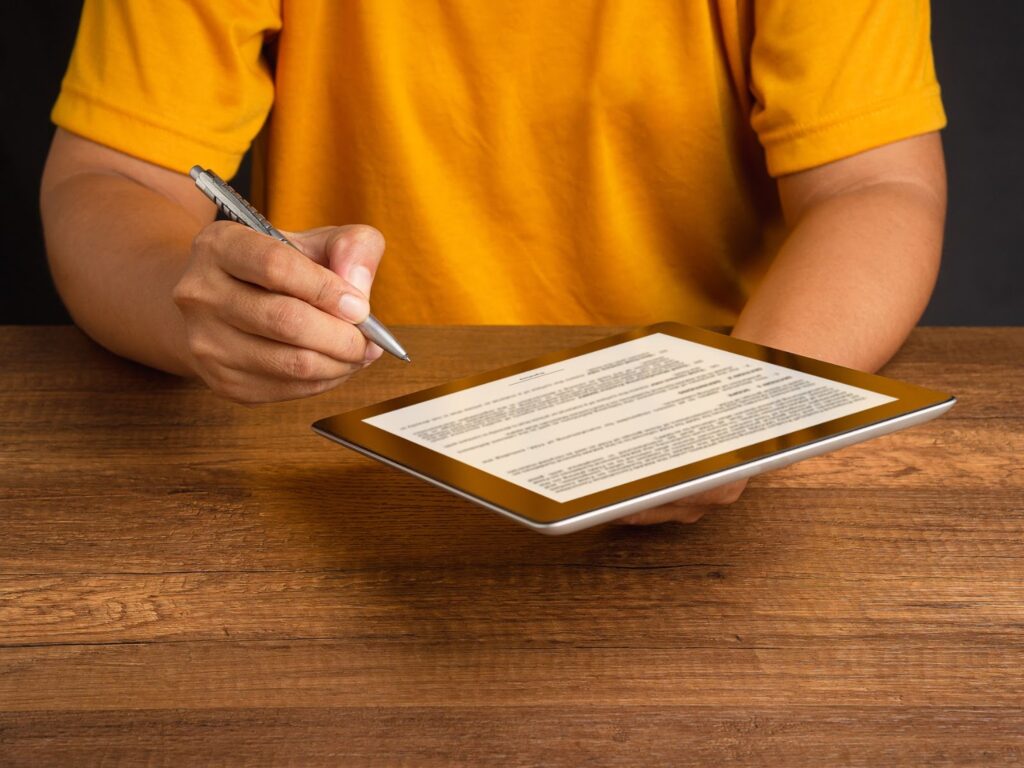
(689, 509)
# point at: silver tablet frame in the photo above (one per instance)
(682, 490)
(912, 405)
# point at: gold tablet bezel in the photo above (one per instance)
(350, 428)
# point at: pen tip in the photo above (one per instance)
(407, 358)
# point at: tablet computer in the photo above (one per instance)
(582, 436)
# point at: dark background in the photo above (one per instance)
(979, 66)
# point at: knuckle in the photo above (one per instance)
(200, 347)
(302, 364)
(684, 512)
(218, 380)
(367, 235)
(328, 290)
(275, 264)
(285, 320)
(185, 292)
(323, 385)
(236, 393)
(730, 494)
(192, 288)
(234, 386)
(731, 497)
(352, 346)
(222, 384)
(206, 239)
(201, 241)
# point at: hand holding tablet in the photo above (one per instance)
(588, 435)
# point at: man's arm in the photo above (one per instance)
(854, 274)
(118, 233)
(861, 258)
(145, 271)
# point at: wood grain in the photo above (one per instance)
(524, 736)
(187, 581)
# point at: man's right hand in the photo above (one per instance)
(264, 322)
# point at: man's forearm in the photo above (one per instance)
(852, 278)
(116, 249)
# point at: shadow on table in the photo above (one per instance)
(373, 514)
(448, 570)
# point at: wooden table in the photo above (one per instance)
(187, 581)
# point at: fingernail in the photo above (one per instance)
(372, 353)
(360, 277)
(354, 308)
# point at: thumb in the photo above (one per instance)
(353, 252)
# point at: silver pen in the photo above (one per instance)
(237, 208)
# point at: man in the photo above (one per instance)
(767, 165)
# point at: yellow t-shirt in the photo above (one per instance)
(596, 161)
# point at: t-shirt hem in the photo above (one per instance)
(87, 116)
(886, 122)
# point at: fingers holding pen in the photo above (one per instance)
(264, 322)
(290, 320)
(273, 266)
(353, 251)
(252, 369)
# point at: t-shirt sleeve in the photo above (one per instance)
(172, 82)
(833, 79)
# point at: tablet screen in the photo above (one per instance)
(608, 417)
